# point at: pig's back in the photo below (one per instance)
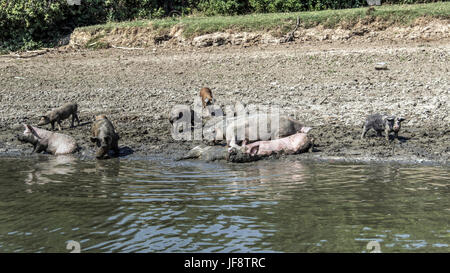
(62, 144)
(66, 110)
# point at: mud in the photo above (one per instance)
(330, 85)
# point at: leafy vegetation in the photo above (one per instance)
(29, 24)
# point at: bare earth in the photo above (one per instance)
(330, 86)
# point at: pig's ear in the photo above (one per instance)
(390, 118)
(94, 139)
(28, 127)
(401, 119)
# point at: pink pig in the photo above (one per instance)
(292, 144)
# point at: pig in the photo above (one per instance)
(59, 114)
(249, 126)
(296, 143)
(206, 95)
(381, 123)
(104, 136)
(47, 141)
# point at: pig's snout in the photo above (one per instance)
(396, 127)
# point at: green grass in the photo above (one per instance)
(283, 22)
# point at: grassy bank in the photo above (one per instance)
(283, 22)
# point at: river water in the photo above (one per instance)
(159, 205)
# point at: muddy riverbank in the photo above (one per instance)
(329, 85)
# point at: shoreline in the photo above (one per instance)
(303, 158)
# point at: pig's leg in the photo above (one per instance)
(311, 148)
(34, 148)
(386, 132)
(59, 124)
(40, 148)
(396, 135)
(73, 121)
(53, 125)
(78, 120)
(364, 132)
(37, 148)
(116, 147)
(75, 117)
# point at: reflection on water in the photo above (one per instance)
(186, 206)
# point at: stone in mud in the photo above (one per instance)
(381, 66)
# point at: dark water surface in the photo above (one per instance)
(122, 205)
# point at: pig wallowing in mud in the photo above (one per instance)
(104, 136)
(293, 144)
(296, 143)
(259, 127)
(46, 141)
(59, 114)
(382, 123)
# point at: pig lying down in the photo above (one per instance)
(46, 141)
(297, 143)
(293, 144)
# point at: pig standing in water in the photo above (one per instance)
(59, 114)
(46, 141)
(382, 123)
(104, 135)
